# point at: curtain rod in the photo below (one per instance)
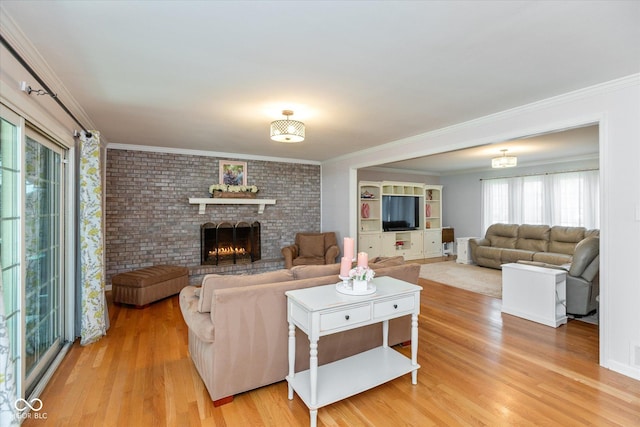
(539, 174)
(31, 71)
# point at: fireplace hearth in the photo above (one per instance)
(227, 243)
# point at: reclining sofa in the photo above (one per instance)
(574, 249)
(238, 330)
(505, 243)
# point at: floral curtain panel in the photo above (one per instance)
(94, 320)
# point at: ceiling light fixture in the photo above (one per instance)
(287, 130)
(504, 161)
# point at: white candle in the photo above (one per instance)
(348, 247)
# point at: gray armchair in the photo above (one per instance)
(583, 278)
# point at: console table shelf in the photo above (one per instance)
(204, 202)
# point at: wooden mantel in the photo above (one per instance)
(210, 201)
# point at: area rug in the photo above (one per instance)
(482, 280)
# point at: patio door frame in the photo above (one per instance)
(27, 125)
(46, 358)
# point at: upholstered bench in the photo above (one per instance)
(146, 285)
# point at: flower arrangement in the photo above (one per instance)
(233, 188)
(361, 273)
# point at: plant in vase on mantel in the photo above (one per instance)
(233, 191)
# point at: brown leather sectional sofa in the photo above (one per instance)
(505, 243)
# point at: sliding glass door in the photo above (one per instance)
(10, 240)
(43, 200)
(32, 195)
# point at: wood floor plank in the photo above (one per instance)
(479, 367)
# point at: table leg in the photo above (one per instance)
(313, 417)
(414, 347)
(292, 357)
(385, 333)
(313, 370)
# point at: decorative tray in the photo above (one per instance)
(347, 288)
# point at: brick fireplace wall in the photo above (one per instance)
(149, 221)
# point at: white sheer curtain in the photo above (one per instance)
(570, 199)
(94, 320)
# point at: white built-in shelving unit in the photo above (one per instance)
(423, 242)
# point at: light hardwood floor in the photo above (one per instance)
(479, 367)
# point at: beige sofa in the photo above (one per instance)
(505, 243)
(238, 331)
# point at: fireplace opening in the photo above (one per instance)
(227, 243)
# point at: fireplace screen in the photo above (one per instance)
(227, 243)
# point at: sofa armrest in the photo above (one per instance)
(198, 323)
(331, 254)
(290, 253)
(474, 243)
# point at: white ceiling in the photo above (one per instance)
(570, 145)
(211, 75)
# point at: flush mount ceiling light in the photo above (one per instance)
(287, 130)
(504, 161)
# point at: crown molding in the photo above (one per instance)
(187, 152)
(597, 89)
(21, 44)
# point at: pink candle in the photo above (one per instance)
(345, 266)
(348, 248)
(363, 259)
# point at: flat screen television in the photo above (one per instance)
(400, 213)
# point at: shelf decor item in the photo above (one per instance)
(232, 173)
(233, 191)
(361, 276)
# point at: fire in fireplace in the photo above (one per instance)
(227, 243)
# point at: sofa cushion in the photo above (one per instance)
(563, 240)
(308, 260)
(311, 245)
(503, 235)
(533, 237)
(552, 258)
(381, 262)
(592, 233)
(514, 255)
(219, 281)
(308, 271)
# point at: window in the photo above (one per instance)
(570, 199)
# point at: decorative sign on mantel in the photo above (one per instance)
(222, 201)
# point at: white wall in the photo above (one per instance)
(615, 106)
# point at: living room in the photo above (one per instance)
(149, 219)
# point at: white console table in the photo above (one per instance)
(535, 293)
(320, 311)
